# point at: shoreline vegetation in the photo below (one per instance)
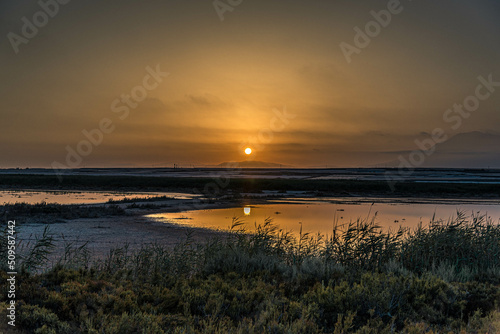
(196, 185)
(436, 279)
(440, 278)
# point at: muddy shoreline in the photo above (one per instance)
(101, 234)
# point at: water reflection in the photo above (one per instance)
(317, 216)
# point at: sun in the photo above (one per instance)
(248, 151)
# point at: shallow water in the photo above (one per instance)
(320, 216)
(76, 197)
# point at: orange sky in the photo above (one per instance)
(227, 79)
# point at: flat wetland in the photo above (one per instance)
(295, 251)
(111, 208)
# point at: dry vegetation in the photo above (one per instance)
(444, 278)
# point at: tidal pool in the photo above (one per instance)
(320, 216)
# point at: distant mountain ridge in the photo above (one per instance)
(472, 142)
(252, 164)
(475, 149)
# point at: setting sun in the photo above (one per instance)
(248, 151)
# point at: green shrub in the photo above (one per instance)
(41, 320)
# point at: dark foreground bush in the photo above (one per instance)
(359, 280)
(41, 211)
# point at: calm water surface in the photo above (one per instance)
(320, 216)
(76, 197)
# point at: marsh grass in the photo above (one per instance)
(468, 246)
(141, 199)
(42, 211)
(440, 278)
(30, 255)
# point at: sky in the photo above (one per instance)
(303, 83)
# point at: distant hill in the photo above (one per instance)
(465, 150)
(472, 142)
(471, 149)
(253, 164)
